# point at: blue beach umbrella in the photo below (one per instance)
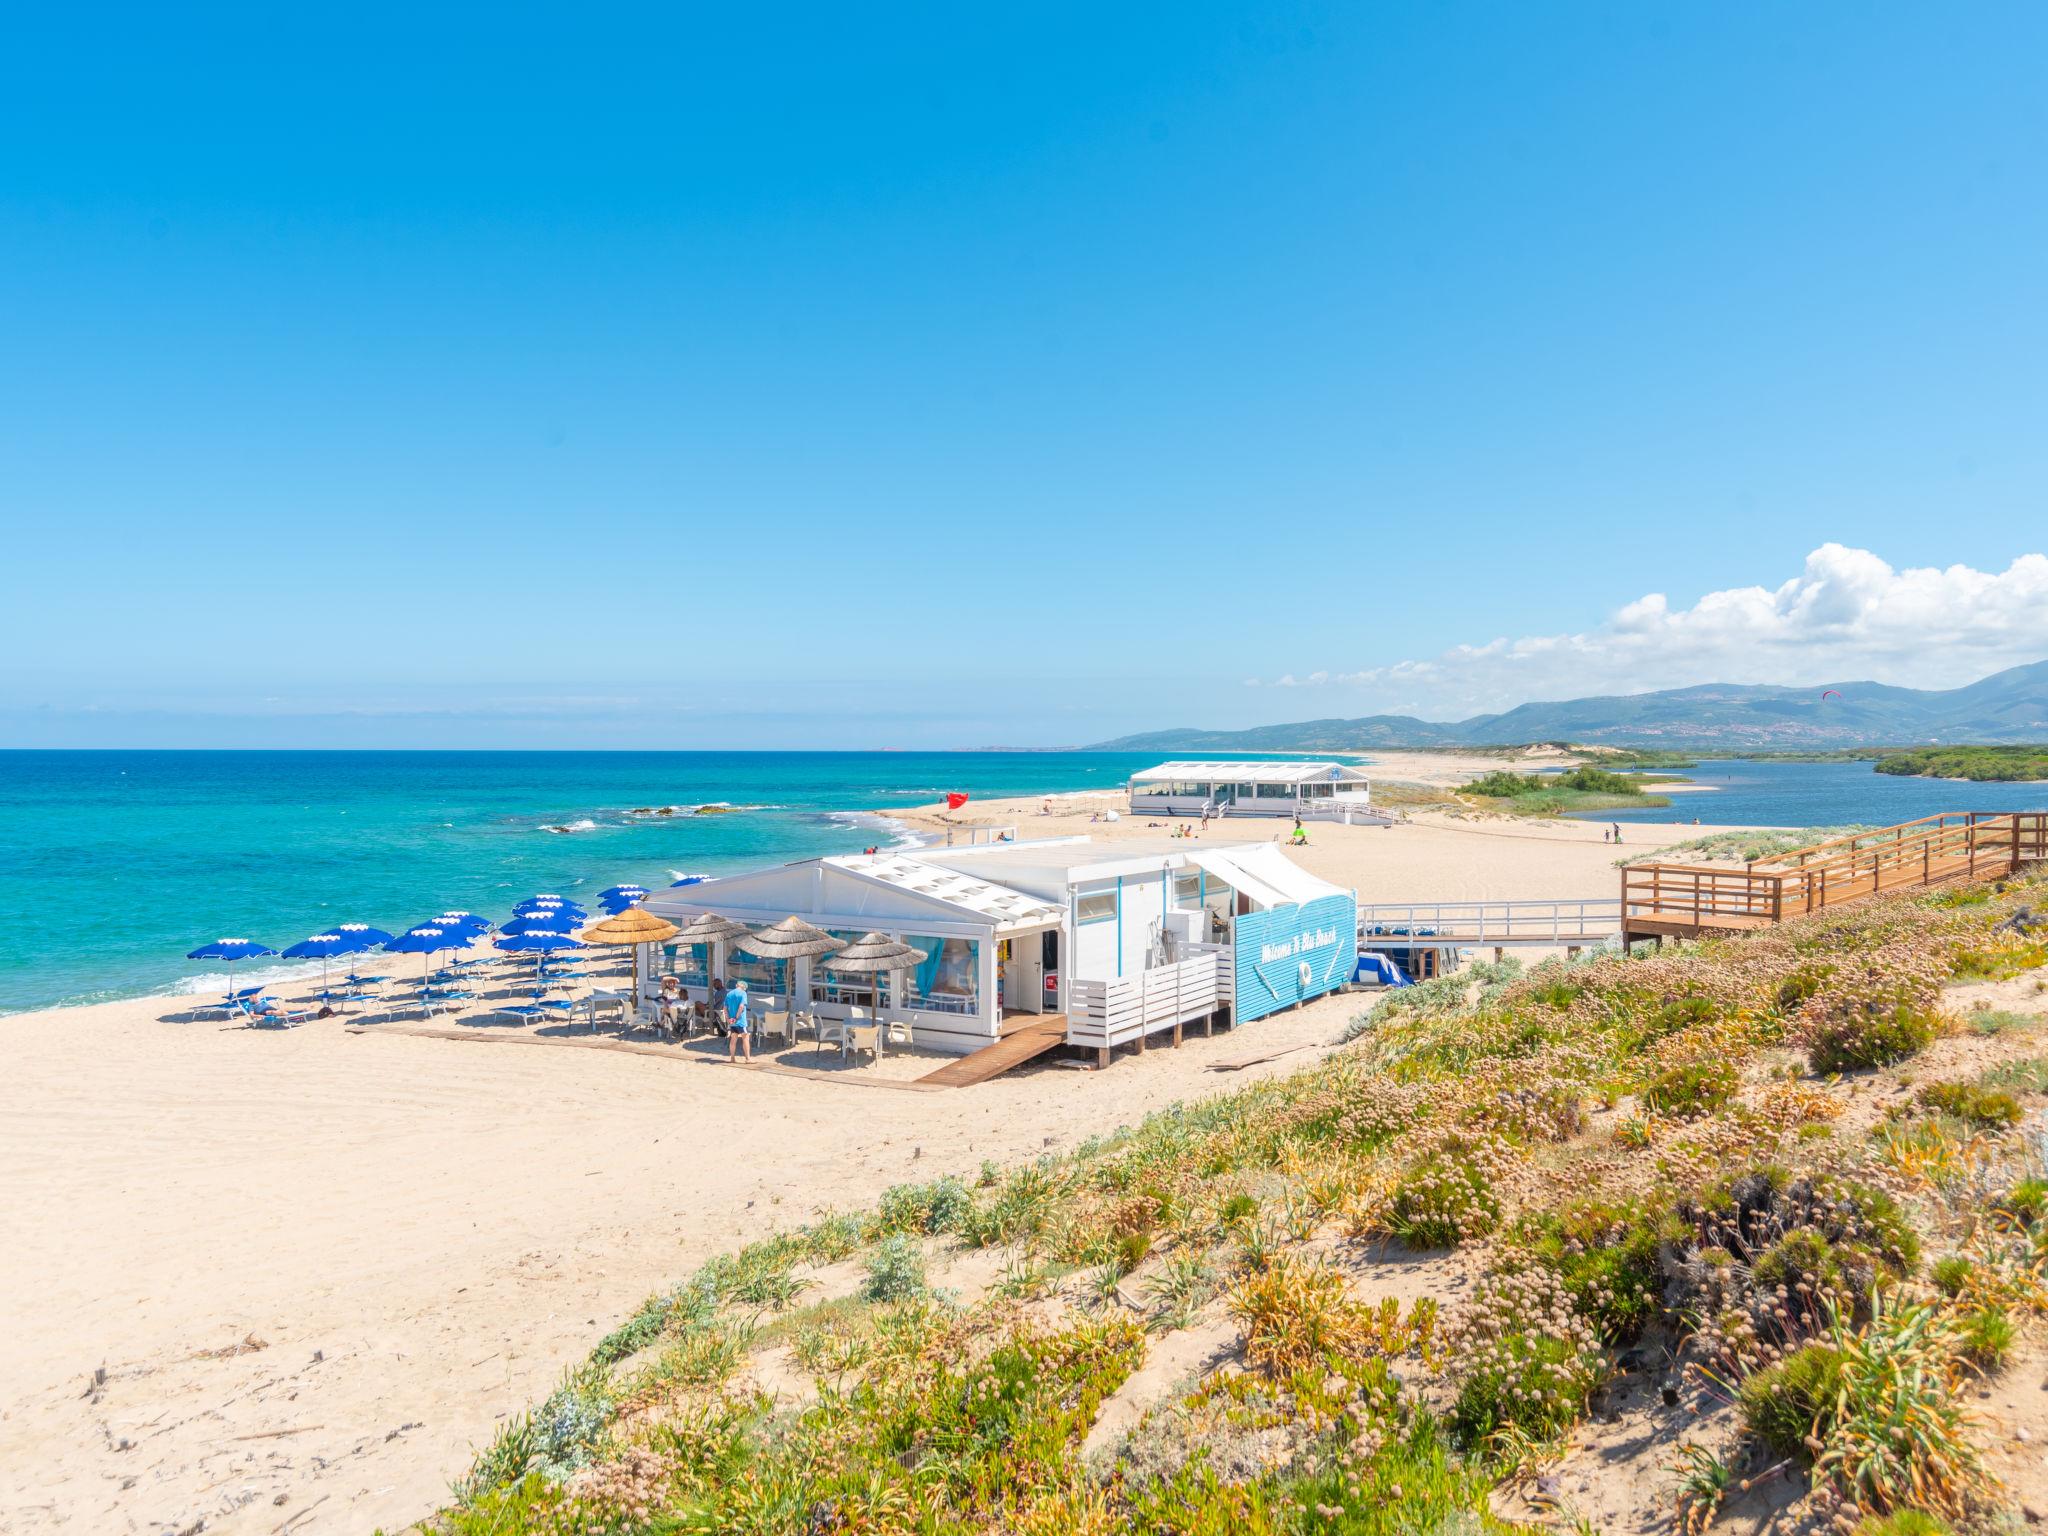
(617, 904)
(677, 885)
(468, 921)
(539, 945)
(230, 950)
(323, 947)
(621, 890)
(537, 922)
(547, 904)
(371, 937)
(429, 939)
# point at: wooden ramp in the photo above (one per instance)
(1685, 900)
(1018, 1046)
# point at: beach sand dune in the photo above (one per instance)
(319, 1268)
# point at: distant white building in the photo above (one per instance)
(1126, 939)
(1312, 790)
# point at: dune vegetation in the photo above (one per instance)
(1561, 794)
(1993, 765)
(1623, 1243)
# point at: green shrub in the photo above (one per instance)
(1848, 1041)
(943, 1205)
(895, 1270)
(2028, 1076)
(1537, 1383)
(1986, 1335)
(1503, 785)
(1442, 1202)
(1951, 1274)
(1608, 1254)
(2026, 1202)
(1982, 1108)
(1695, 1088)
(1784, 1403)
(1904, 1522)
(1873, 1218)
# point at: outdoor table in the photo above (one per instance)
(606, 995)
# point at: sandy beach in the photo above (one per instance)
(319, 1266)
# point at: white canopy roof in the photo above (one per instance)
(1262, 872)
(1296, 772)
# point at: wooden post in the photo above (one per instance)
(1102, 1056)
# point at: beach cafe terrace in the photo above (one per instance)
(1312, 790)
(1121, 941)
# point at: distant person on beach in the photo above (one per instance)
(1617, 831)
(737, 1039)
(1606, 836)
(669, 1008)
(714, 1003)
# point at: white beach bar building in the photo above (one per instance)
(1126, 939)
(1320, 791)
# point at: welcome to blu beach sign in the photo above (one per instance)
(1289, 954)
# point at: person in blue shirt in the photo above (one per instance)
(738, 1040)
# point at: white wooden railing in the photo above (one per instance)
(1104, 1014)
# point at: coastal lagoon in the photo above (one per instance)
(113, 864)
(1749, 792)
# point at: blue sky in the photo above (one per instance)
(941, 375)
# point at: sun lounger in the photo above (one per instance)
(528, 1011)
(269, 1011)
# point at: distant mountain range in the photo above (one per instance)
(2008, 706)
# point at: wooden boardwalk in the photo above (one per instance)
(1687, 900)
(1018, 1045)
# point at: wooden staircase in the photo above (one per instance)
(1687, 900)
(1020, 1044)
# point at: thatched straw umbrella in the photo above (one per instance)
(710, 930)
(633, 927)
(792, 939)
(876, 955)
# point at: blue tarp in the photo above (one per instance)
(1379, 969)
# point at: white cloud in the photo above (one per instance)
(1847, 615)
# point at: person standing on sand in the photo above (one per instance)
(1617, 831)
(736, 1038)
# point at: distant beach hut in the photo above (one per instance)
(635, 928)
(877, 955)
(230, 951)
(798, 943)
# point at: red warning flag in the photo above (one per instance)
(955, 800)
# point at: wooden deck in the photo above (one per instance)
(1687, 900)
(1031, 1037)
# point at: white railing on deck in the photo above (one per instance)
(1112, 1013)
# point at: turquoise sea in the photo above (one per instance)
(114, 864)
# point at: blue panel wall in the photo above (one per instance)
(1289, 954)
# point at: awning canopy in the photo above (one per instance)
(1262, 872)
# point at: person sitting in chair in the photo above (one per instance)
(670, 1010)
